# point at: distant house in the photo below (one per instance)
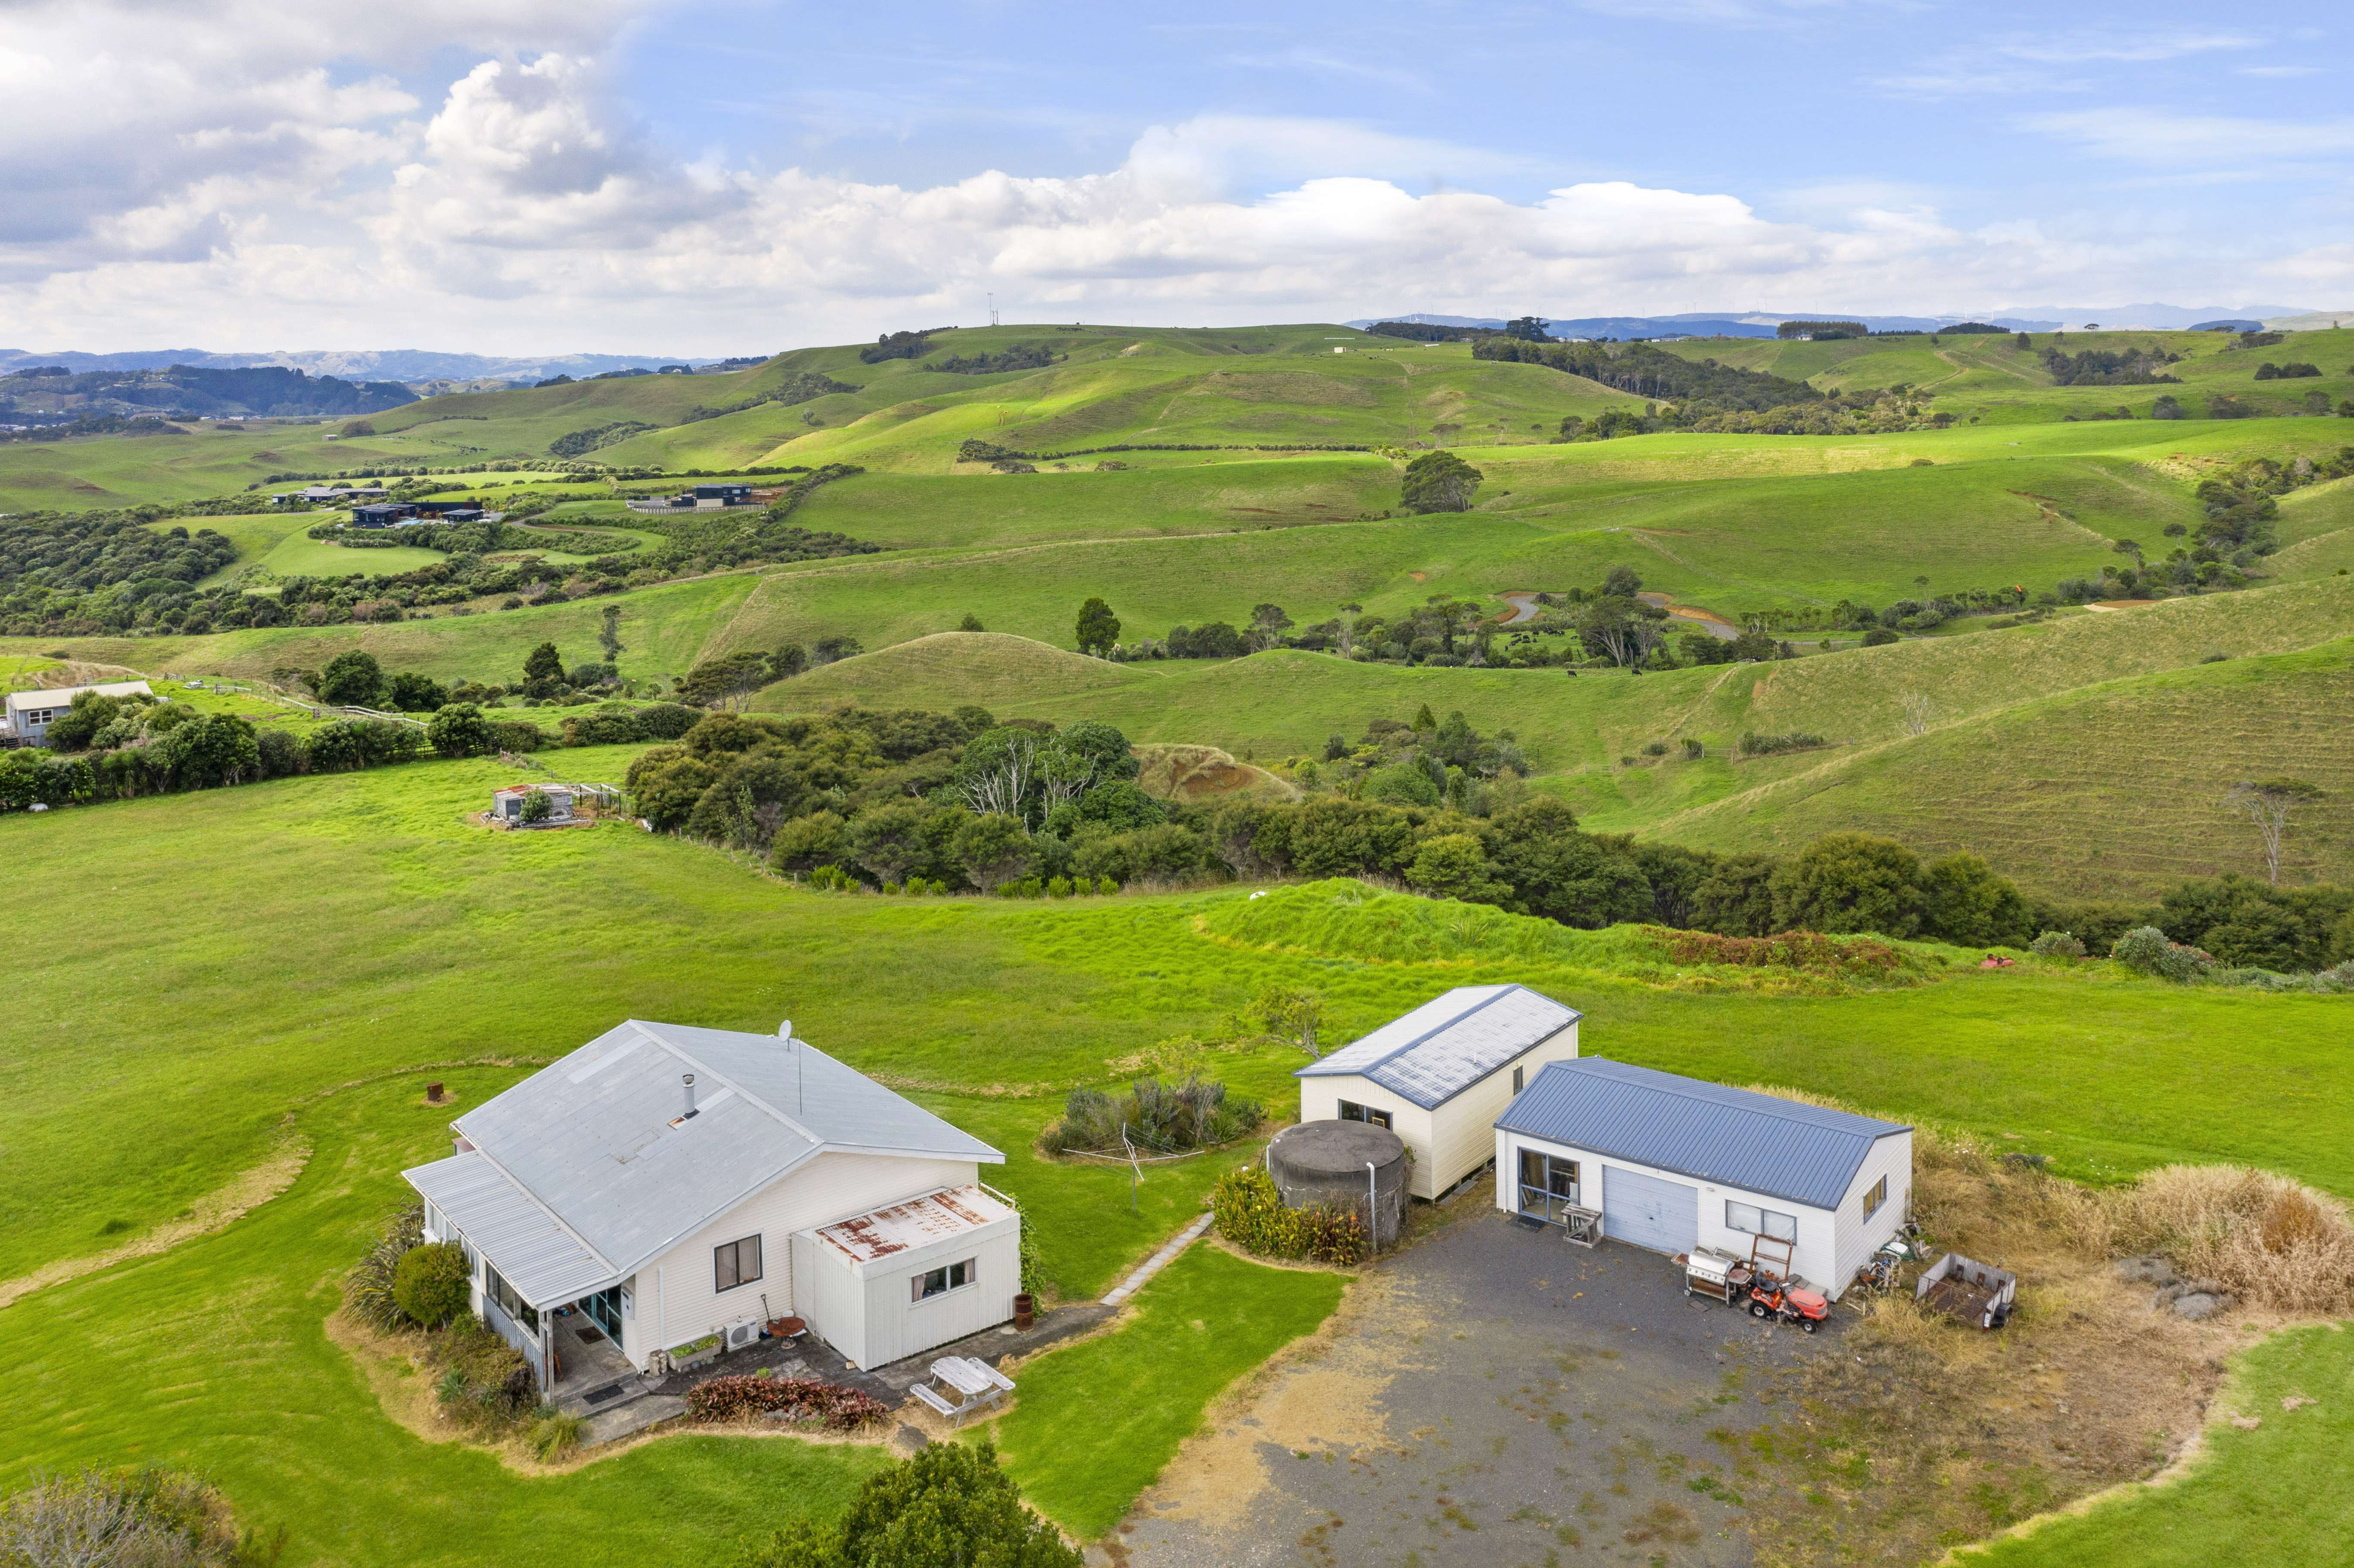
(726, 495)
(1438, 1076)
(383, 514)
(450, 511)
(663, 1185)
(319, 495)
(26, 719)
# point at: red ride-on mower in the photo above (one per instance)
(1788, 1303)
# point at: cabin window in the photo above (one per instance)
(1517, 1072)
(1877, 1196)
(1756, 1222)
(735, 1263)
(1351, 1111)
(940, 1281)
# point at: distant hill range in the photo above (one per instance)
(44, 395)
(2041, 318)
(408, 366)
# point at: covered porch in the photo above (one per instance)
(543, 1288)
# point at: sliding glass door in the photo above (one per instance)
(1548, 1186)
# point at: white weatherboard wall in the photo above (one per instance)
(864, 1310)
(1456, 1139)
(1832, 1243)
(674, 1301)
(1320, 1100)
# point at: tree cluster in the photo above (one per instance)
(1020, 356)
(1697, 387)
(118, 748)
(2295, 370)
(1818, 331)
(898, 345)
(2123, 368)
(951, 1504)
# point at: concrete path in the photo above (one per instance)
(1157, 1262)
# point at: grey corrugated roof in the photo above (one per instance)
(1450, 1042)
(591, 1139)
(1734, 1137)
(547, 1263)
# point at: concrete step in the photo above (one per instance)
(615, 1422)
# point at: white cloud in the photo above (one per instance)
(2082, 46)
(222, 186)
(2155, 136)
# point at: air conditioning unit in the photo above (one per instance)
(742, 1334)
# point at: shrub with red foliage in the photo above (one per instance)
(741, 1397)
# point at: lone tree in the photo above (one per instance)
(1440, 482)
(543, 663)
(2268, 802)
(609, 635)
(726, 682)
(352, 679)
(1099, 627)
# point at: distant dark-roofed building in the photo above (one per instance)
(726, 495)
(383, 514)
(450, 511)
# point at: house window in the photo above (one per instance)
(1756, 1222)
(1351, 1111)
(940, 1281)
(1877, 1196)
(1517, 1072)
(735, 1263)
(496, 1288)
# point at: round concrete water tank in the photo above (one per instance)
(1325, 1162)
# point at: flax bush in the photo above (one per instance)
(369, 1289)
(1191, 1113)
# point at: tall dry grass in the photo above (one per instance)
(2270, 1240)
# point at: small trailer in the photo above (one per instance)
(1719, 1276)
(1970, 1292)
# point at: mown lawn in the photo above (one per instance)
(1097, 1421)
(209, 964)
(2271, 1495)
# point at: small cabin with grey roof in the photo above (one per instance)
(665, 1185)
(1676, 1164)
(1440, 1076)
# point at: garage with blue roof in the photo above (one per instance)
(1674, 1163)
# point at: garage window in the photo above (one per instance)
(1877, 1196)
(1756, 1222)
(735, 1263)
(940, 1281)
(1351, 1111)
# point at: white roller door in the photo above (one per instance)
(1649, 1210)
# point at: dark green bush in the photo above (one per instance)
(429, 1283)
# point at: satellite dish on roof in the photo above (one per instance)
(785, 1029)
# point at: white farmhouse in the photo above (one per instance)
(1438, 1076)
(1675, 1163)
(664, 1184)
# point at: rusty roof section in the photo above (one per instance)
(918, 1221)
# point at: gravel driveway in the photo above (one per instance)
(1493, 1397)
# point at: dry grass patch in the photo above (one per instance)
(1919, 1435)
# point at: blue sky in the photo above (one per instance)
(727, 176)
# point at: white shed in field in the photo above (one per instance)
(886, 1284)
(1438, 1076)
(1675, 1163)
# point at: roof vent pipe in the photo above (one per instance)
(687, 1079)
